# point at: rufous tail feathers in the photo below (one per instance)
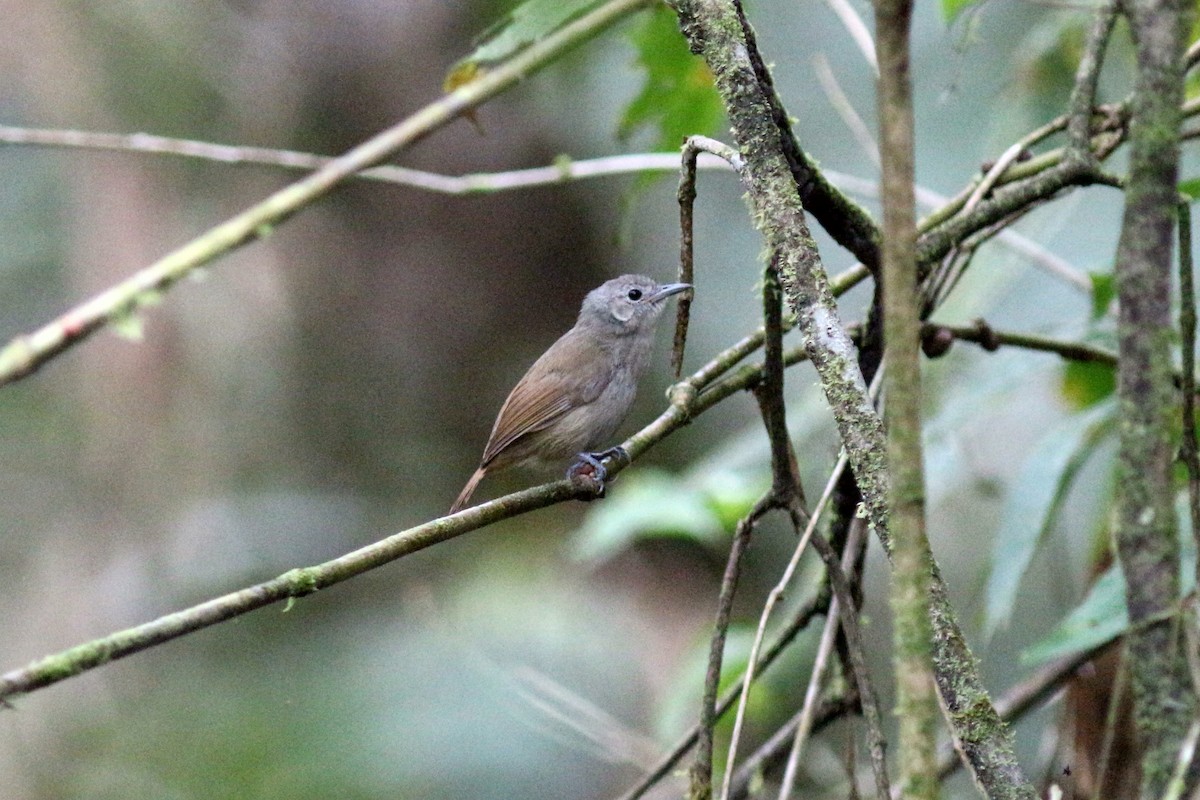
(465, 495)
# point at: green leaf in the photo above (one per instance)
(653, 503)
(1191, 188)
(1104, 291)
(678, 96)
(1085, 383)
(526, 24)
(952, 8)
(128, 325)
(1099, 618)
(678, 708)
(1033, 503)
(1103, 616)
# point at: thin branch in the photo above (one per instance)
(1014, 152)
(916, 705)
(692, 148)
(857, 29)
(27, 353)
(991, 340)
(1014, 240)
(785, 491)
(299, 582)
(1087, 77)
(700, 774)
(1189, 452)
(773, 598)
(562, 171)
(809, 707)
(773, 749)
(844, 108)
(290, 585)
(848, 614)
(784, 470)
(800, 620)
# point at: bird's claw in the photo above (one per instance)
(590, 467)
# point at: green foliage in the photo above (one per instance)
(952, 8)
(681, 703)
(1102, 616)
(1086, 383)
(678, 97)
(1190, 188)
(1098, 619)
(649, 503)
(1104, 291)
(527, 23)
(1033, 504)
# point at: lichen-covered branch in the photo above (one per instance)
(916, 701)
(1146, 531)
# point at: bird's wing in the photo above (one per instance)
(546, 394)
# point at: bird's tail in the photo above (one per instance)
(465, 495)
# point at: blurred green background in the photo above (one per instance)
(336, 383)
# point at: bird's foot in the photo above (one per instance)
(590, 467)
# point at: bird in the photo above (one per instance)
(575, 396)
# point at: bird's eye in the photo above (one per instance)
(635, 294)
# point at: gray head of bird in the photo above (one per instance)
(628, 304)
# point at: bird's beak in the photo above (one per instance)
(668, 289)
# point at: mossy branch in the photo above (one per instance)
(1146, 536)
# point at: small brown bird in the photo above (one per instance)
(576, 395)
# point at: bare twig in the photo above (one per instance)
(692, 148)
(991, 339)
(773, 598)
(809, 707)
(702, 765)
(848, 614)
(1187, 334)
(844, 108)
(773, 749)
(799, 621)
(1087, 77)
(1006, 159)
(563, 170)
(857, 29)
